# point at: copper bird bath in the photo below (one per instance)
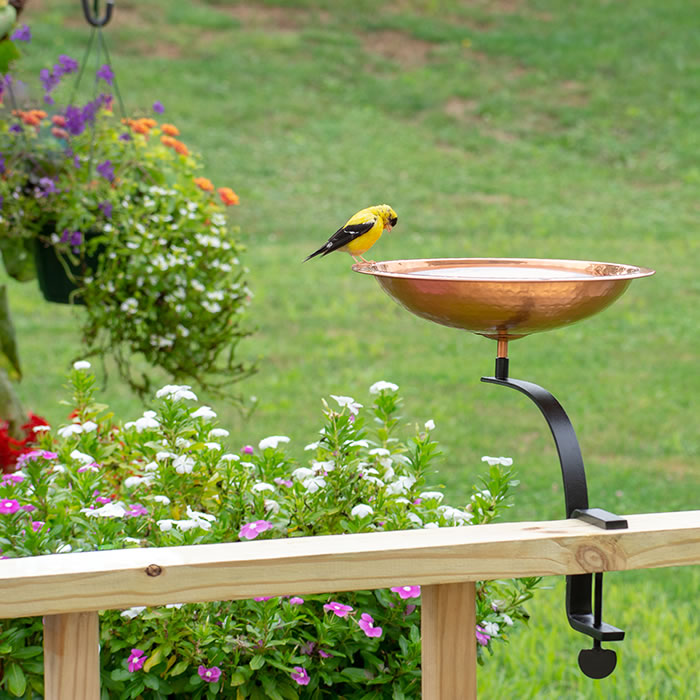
(509, 298)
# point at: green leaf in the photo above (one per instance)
(8, 52)
(16, 680)
(257, 662)
(9, 357)
(237, 678)
(179, 668)
(18, 254)
(120, 674)
(358, 675)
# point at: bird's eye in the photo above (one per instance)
(393, 220)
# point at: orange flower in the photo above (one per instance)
(168, 141)
(39, 113)
(180, 148)
(138, 126)
(170, 130)
(204, 184)
(228, 196)
(59, 133)
(150, 123)
(58, 120)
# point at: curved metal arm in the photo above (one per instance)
(91, 15)
(596, 662)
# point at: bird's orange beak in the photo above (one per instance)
(388, 227)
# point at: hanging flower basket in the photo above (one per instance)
(59, 275)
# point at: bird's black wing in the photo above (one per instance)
(342, 237)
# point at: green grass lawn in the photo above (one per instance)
(515, 128)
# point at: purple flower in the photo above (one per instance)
(283, 482)
(48, 99)
(105, 73)
(75, 123)
(481, 636)
(8, 506)
(158, 107)
(407, 591)
(49, 80)
(324, 654)
(366, 623)
(296, 600)
(210, 675)
(126, 136)
(133, 511)
(251, 530)
(106, 209)
(300, 675)
(338, 608)
(16, 128)
(21, 34)
(46, 187)
(68, 64)
(136, 660)
(106, 169)
(76, 239)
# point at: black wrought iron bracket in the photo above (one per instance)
(596, 662)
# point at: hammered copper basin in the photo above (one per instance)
(503, 298)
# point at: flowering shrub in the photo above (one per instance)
(142, 233)
(11, 449)
(167, 478)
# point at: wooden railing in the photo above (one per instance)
(69, 589)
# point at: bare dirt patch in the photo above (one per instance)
(399, 47)
(282, 19)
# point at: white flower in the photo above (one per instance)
(185, 525)
(41, 428)
(486, 494)
(493, 461)
(81, 457)
(130, 306)
(262, 486)
(218, 432)
(213, 446)
(361, 510)
(491, 628)
(198, 515)
(380, 452)
(72, 429)
(109, 510)
(401, 485)
(131, 540)
(182, 442)
(310, 446)
(81, 364)
(162, 456)
(454, 514)
(313, 484)
(177, 606)
(89, 426)
(166, 525)
(212, 307)
(353, 406)
(131, 613)
(271, 506)
(432, 495)
(132, 481)
(229, 457)
(161, 499)
(273, 441)
(176, 392)
(382, 386)
(183, 464)
(414, 518)
(64, 549)
(146, 422)
(203, 412)
(430, 526)
(302, 473)
(358, 443)
(430, 424)
(323, 467)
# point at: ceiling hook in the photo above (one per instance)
(91, 14)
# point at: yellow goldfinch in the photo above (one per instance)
(360, 232)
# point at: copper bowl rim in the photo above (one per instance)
(632, 271)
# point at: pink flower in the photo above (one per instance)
(8, 506)
(366, 624)
(210, 675)
(247, 450)
(103, 499)
(136, 660)
(251, 530)
(12, 479)
(296, 600)
(37, 525)
(481, 636)
(338, 609)
(407, 591)
(29, 507)
(133, 511)
(324, 654)
(263, 598)
(283, 482)
(300, 675)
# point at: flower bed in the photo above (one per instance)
(167, 478)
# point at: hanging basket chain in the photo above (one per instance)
(92, 15)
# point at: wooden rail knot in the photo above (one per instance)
(592, 558)
(154, 570)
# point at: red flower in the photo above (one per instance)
(11, 449)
